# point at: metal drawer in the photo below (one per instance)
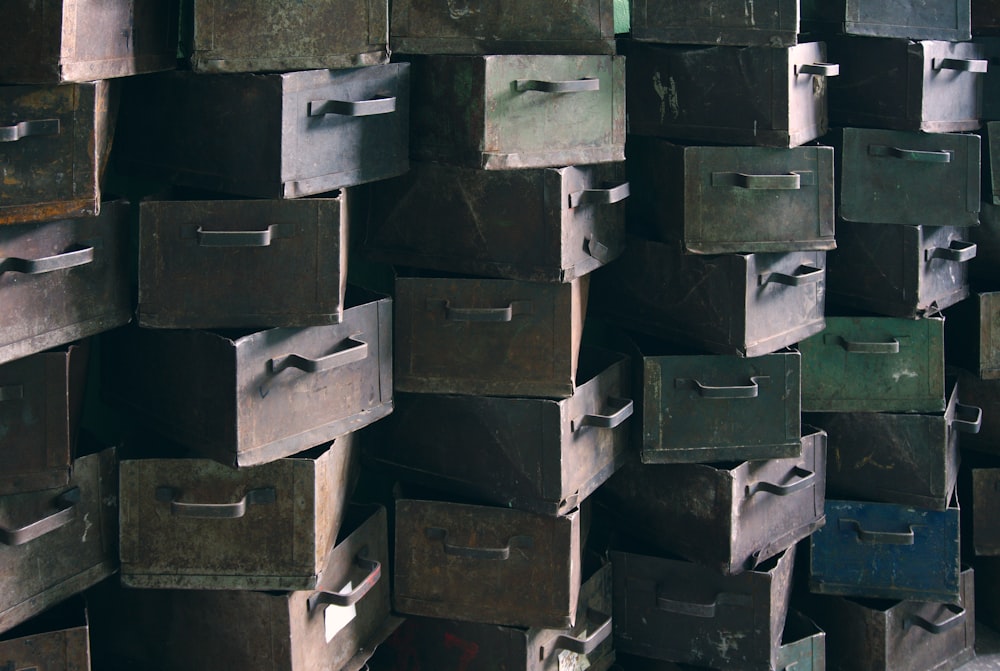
(56, 640)
(984, 394)
(772, 23)
(923, 20)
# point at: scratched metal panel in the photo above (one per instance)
(767, 23)
(913, 19)
(58, 640)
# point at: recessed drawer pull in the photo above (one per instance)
(352, 107)
(878, 537)
(706, 391)
(570, 86)
(974, 65)
(706, 610)
(853, 347)
(500, 554)
(225, 511)
(916, 155)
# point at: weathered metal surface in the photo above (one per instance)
(685, 612)
(58, 542)
(906, 458)
(991, 81)
(41, 398)
(874, 635)
(733, 95)
(64, 280)
(518, 111)
(990, 135)
(56, 640)
(58, 41)
(271, 526)
(930, 85)
(745, 304)
(874, 364)
(984, 394)
(985, 504)
(907, 177)
(508, 27)
(269, 36)
(886, 551)
(717, 200)
(540, 225)
(488, 337)
(242, 263)
(452, 559)
(249, 397)
(899, 271)
(772, 23)
(732, 517)
(973, 334)
(311, 131)
(912, 19)
(54, 145)
(536, 454)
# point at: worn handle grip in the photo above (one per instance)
(974, 421)
(585, 646)
(805, 479)
(570, 86)
(235, 238)
(350, 598)
(818, 69)
(878, 537)
(79, 257)
(371, 107)
(855, 347)
(65, 513)
(916, 155)
(224, 511)
(958, 251)
(25, 129)
(705, 391)
(608, 196)
(974, 65)
(803, 275)
(506, 314)
(14, 392)
(956, 618)
(606, 421)
(358, 351)
(499, 554)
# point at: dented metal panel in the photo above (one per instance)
(913, 19)
(771, 23)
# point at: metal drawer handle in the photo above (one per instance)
(14, 392)
(880, 537)
(597, 250)
(974, 65)
(222, 511)
(585, 646)
(352, 107)
(336, 598)
(705, 391)
(803, 275)
(818, 69)
(609, 196)
(438, 534)
(706, 610)
(968, 425)
(27, 128)
(79, 257)
(794, 180)
(66, 513)
(956, 618)
(805, 480)
(852, 347)
(570, 86)
(236, 238)
(605, 421)
(506, 314)
(357, 352)
(958, 251)
(918, 155)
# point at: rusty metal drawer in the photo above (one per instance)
(985, 505)
(242, 263)
(536, 454)
(772, 23)
(925, 20)
(973, 334)
(271, 525)
(58, 41)
(41, 398)
(886, 551)
(717, 200)
(58, 542)
(65, 280)
(54, 145)
(745, 304)
(929, 85)
(518, 111)
(899, 271)
(264, 36)
(305, 136)
(488, 337)
(907, 177)
(247, 397)
(731, 517)
(874, 364)
(56, 640)
(540, 225)
(679, 611)
(767, 96)
(507, 27)
(452, 559)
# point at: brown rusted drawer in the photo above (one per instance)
(536, 454)
(924, 20)
(267, 36)
(57, 41)
(305, 136)
(507, 27)
(501, 112)
(248, 397)
(541, 225)
(65, 280)
(56, 640)
(488, 337)
(242, 263)
(771, 23)
(929, 85)
(486, 564)
(58, 542)
(745, 304)
(736, 95)
(41, 398)
(54, 145)
(271, 526)
(731, 517)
